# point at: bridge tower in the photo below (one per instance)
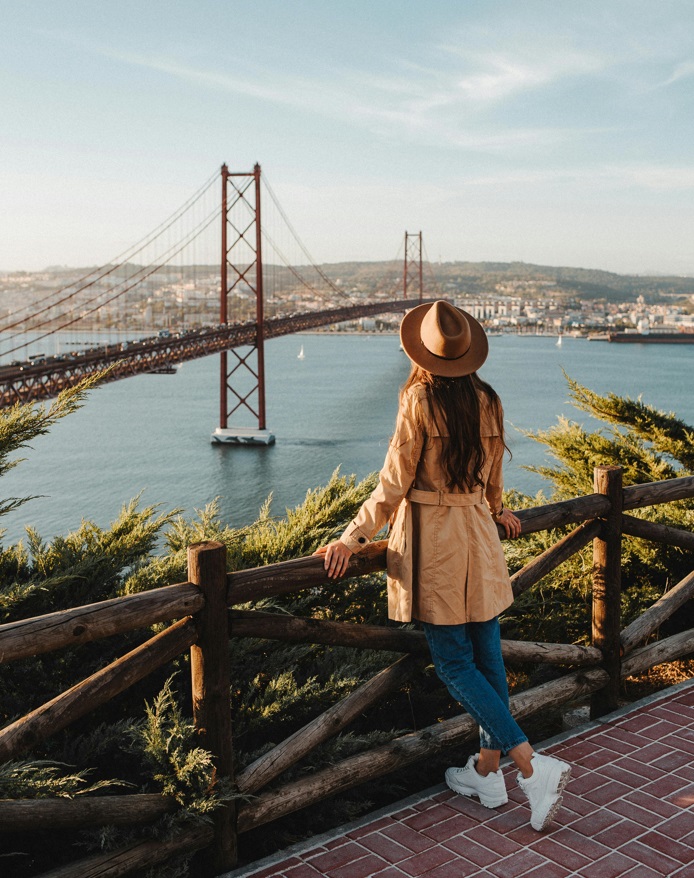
(412, 270)
(242, 375)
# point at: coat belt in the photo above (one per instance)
(440, 498)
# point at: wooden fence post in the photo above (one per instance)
(209, 666)
(607, 581)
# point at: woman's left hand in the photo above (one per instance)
(510, 523)
(337, 557)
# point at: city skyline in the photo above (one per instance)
(542, 132)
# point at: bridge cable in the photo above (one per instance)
(149, 271)
(428, 263)
(397, 261)
(303, 247)
(319, 293)
(118, 261)
(143, 270)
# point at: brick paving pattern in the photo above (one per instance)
(628, 813)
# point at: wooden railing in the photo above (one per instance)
(206, 618)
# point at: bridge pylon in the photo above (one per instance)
(242, 371)
(412, 269)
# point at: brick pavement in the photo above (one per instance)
(628, 813)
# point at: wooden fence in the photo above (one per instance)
(206, 618)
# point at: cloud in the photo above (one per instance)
(449, 96)
(506, 79)
(657, 178)
(498, 77)
(435, 102)
(410, 107)
(250, 87)
(263, 85)
(682, 71)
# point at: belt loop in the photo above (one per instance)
(440, 493)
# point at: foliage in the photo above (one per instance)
(649, 445)
(178, 767)
(41, 778)
(85, 566)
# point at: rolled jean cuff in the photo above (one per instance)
(504, 724)
(489, 743)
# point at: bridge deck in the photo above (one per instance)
(628, 812)
(44, 377)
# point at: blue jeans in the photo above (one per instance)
(468, 660)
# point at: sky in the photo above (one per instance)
(546, 131)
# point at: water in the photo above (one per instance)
(336, 407)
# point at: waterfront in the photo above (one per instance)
(336, 407)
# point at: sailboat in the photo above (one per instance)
(301, 355)
(559, 341)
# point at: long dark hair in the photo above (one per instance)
(456, 409)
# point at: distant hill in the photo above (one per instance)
(474, 278)
(482, 278)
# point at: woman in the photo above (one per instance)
(446, 567)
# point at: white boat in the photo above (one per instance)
(559, 342)
(301, 355)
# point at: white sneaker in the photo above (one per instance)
(468, 782)
(544, 788)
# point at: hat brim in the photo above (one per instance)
(470, 361)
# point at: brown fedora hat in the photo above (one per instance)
(443, 339)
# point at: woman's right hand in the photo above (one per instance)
(337, 557)
(510, 523)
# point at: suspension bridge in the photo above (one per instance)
(167, 299)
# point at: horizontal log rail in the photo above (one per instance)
(27, 815)
(125, 861)
(258, 583)
(271, 580)
(299, 629)
(520, 651)
(40, 634)
(666, 650)
(296, 629)
(96, 690)
(657, 533)
(655, 493)
(559, 514)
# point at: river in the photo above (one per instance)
(336, 407)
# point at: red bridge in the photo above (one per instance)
(35, 380)
(113, 293)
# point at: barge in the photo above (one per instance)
(651, 337)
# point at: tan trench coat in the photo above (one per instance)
(445, 561)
